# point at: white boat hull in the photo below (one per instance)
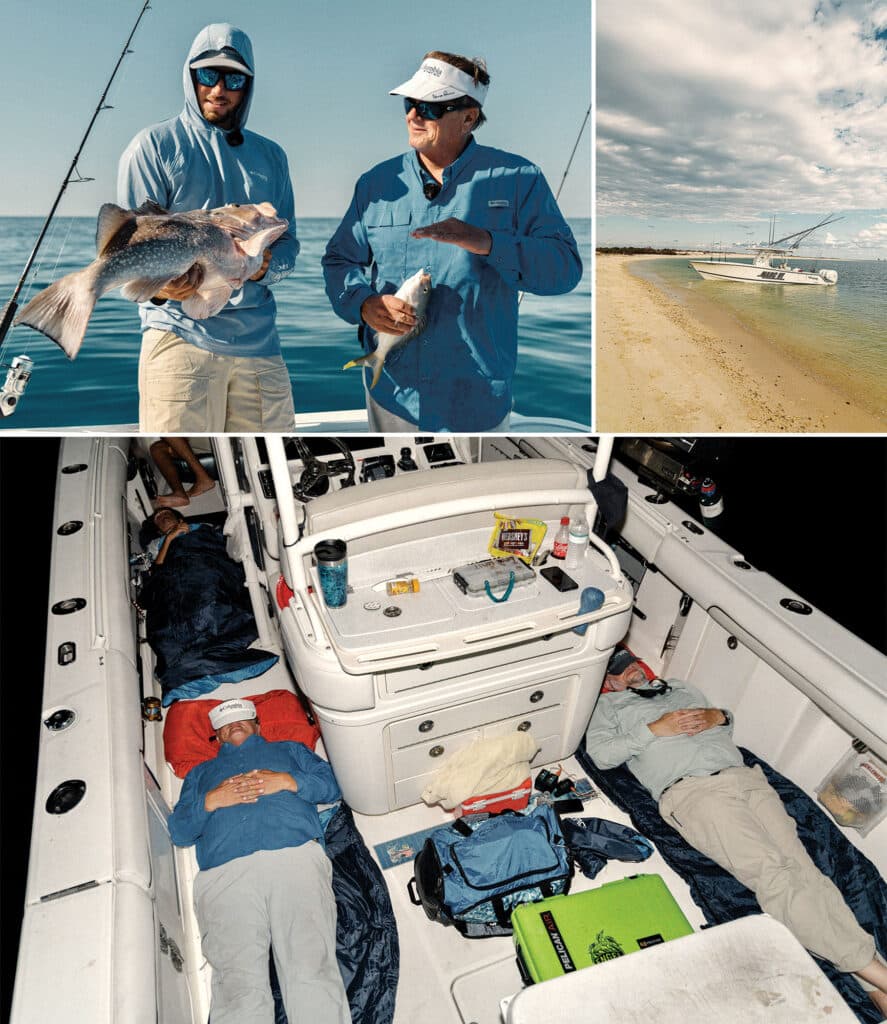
(751, 273)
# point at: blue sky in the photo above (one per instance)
(713, 116)
(323, 74)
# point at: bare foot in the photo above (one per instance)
(201, 487)
(880, 1000)
(172, 501)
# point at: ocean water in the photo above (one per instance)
(839, 332)
(100, 386)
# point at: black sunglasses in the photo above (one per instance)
(234, 80)
(653, 690)
(434, 111)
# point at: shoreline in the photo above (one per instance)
(668, 367)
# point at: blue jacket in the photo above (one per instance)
(186, 164)
(272, 823)
(457, 375)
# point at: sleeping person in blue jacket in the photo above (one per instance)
(265, 878)
(225, 373)
(482, 222)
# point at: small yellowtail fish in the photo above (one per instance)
(416, 290)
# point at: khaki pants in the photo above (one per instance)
(282, 898)
(185, 390)
(738, 820)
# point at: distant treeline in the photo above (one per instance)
(632, 250)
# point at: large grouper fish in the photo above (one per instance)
(141, 251)
(416, 290)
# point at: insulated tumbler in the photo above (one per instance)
(332, 567)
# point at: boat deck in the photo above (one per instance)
(447, 979)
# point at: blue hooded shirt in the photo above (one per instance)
(186, 163)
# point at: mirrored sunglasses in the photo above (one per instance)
(429, 111)
(234, 80)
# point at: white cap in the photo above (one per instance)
(229, 711)
(438, 81)
(227, 57)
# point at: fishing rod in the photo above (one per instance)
(557, 194)
(20, 369)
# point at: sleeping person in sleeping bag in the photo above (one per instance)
(681, 750)
(199, 620)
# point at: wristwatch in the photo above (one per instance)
(728, 718)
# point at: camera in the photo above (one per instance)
(17, 378)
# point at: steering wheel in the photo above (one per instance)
(316, 475)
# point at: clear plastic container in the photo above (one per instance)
(855, 790)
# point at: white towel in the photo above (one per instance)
(491, 765)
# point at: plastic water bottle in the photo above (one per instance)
(577, 544)
(562, 539)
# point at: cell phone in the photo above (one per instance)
(558, 578)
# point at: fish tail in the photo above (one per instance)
(374, 360)
(62, 310)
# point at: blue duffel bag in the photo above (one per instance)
(471, 874)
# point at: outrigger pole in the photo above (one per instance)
(11, 307)
(557, 194)
(801, 236)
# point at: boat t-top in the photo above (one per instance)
(770, 264)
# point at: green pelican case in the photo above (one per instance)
(565, 933)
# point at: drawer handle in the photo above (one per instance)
(435, 751)
(427, 725)
(525, 726)
(536, 696)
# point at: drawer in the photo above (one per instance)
(547, 722)
(426, 758)
(400, 679)
(443, 721)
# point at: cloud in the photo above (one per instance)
(710, 109)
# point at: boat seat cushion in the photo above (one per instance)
(722, 898)
(188, 738)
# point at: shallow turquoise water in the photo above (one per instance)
(840, 331)
(100, 386)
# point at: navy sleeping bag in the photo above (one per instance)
(722, 898)
(199, 621)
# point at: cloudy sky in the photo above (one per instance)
(713, 116)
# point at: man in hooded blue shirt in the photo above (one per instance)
(225, 373)
(483, 223)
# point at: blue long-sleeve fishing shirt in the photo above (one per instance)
(273, 822)
(457, 375)
(186, 164)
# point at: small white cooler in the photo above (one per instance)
(742, 972)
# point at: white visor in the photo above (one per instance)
(438, 81)
(229, 711)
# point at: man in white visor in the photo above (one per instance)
(483, 223)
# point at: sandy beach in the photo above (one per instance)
(666, 367)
